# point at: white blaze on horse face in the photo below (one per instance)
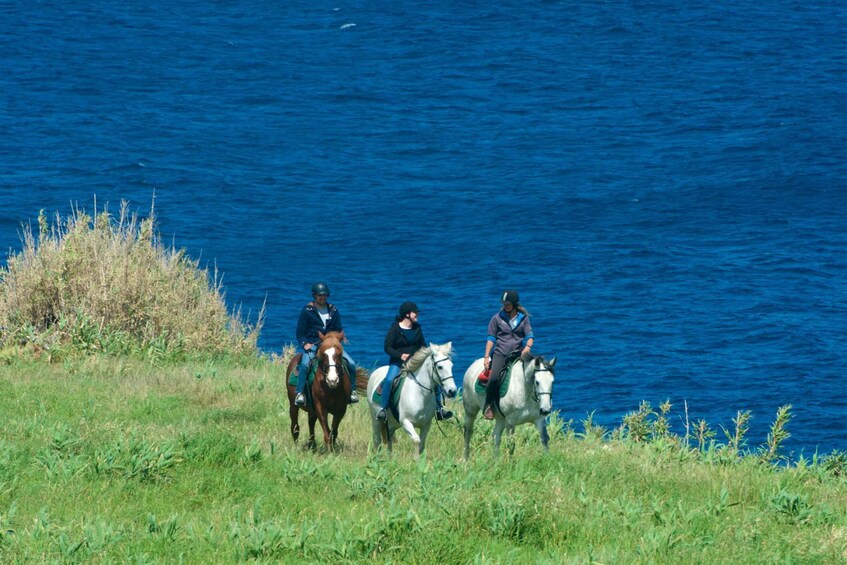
(448, 383)
(332, 377)
(544, 389)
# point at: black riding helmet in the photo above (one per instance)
(320, 288)
(510, 296)
(406, 308)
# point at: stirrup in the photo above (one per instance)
(382, 415)
(354, 398)
(300, 399)
(442, 414)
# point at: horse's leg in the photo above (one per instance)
(471, 412)
(424, 433)
(333, 436)
(499, 425)
(294, 414)
(510, 440)
(416, 439)
(312, 419)
(377, 433)
(541, 424)
(469, 422)
(322, 418)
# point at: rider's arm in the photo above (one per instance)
(489, 345)
(303, 328)
(388, 345)
(529, 337)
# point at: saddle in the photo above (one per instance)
(310, 376)
(396, 389)
(505, 376)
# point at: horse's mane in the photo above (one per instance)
(332, 339)
(415, 361)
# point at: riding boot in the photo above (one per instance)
(440, 412)
(299, 398)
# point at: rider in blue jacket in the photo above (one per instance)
(316, 318)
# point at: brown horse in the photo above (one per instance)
(330, 391)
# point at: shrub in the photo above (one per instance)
(109, 284)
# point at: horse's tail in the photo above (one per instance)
(361, 379)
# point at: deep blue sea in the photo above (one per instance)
(664, 182)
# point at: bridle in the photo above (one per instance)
(325, 366)
(436, 365)
(536, 394)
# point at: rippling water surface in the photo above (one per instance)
(664, 184)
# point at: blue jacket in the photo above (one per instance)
(310, 323)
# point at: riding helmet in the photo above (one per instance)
(406, 308)
(510, 296)
(320, 288)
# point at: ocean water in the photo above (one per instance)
(665, 183)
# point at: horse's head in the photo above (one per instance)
(329, 359)
(442, 367)
(542, 375)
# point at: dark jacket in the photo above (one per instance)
(310, 324)
(396, 343)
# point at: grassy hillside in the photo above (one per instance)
(106, 459)
(141, 424)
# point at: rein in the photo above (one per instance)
(435, 363)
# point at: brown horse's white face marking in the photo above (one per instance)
(333, 376)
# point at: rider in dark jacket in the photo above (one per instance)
(403, 339)
(318, 318)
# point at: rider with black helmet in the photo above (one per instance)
(403, 339)
(509, 331)
(316, 318)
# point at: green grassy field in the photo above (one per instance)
(109, 459)
(140, 424)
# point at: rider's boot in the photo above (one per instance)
(382, 415)
(299, 398)
(440, 412)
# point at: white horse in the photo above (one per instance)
(430, 367)
(529, 398)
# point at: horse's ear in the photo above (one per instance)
(321, 335)
(552, 362)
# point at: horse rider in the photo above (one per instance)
(403, 339)
(509, 331)
(318, 318)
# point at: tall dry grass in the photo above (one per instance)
(108, 283)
